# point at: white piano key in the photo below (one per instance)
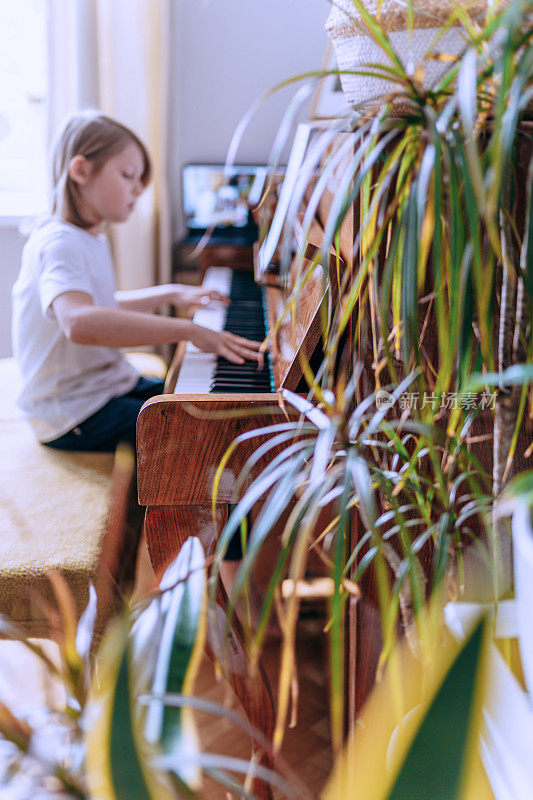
(218, 279)
(197, 367)
(195, 373)
(213, 316)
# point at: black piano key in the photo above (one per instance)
(244, 317)
(242, 386)
(248, 368)
(245, 377)
(239, 388)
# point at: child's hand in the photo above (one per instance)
(192, 298)
(233, 348)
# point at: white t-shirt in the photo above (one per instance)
(63, 383)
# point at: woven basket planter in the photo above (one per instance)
(355, 48)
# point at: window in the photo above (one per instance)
(23, 107)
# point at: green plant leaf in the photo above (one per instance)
(86, 623)
(436, 762)
(526, 260)
(181, 643)
(516, 375)
(409, 277)
(419, 730)
(114, 768)
(278, 499)
(127, 774)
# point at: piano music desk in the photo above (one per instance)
(220, 254)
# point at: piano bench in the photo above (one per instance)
(53, 512)
(149, 365)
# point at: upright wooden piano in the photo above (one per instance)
(183, 436)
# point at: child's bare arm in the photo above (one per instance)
(84, 323)
(174, 294)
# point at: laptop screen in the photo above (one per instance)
(214, 198)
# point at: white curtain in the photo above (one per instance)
(114, 55)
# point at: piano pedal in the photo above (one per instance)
(313, 592)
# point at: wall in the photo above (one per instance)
(227, 53)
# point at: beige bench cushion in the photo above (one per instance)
(53, 510)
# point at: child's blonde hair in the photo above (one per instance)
(97, 137)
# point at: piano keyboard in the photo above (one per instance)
(205, 373)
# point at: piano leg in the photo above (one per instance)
(167, 528)
(363, 635)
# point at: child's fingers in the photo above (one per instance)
(211, 295)
(244, 349)
(240, 340)
(230, 355)
(222, 298)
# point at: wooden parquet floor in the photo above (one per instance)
(306, 747)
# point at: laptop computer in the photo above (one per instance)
(213, 197)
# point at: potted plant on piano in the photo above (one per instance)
(425, 202)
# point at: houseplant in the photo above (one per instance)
(443, 248)
(106, 749)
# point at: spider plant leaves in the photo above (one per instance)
(120, 758)
(114, 768)
(275, 580)
(360, 475)
(409, 279)
(10, 630)
(380, 37)
(218, 766)
(327, 173)
(269, 514)
(180, 646)
(521, 489)
(301, 95)
(287, 428)
(147, 624)
(418, 732)
(305, 407)
(337, 630)
(515, 375)
(86, 623)
(14, 729)
(67, 609)
(526, 255)
(467, 103)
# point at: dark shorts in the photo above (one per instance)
(115, 422)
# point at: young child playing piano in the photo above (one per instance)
(69, 323)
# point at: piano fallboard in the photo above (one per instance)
(181, 440)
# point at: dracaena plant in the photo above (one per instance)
(439, 302)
